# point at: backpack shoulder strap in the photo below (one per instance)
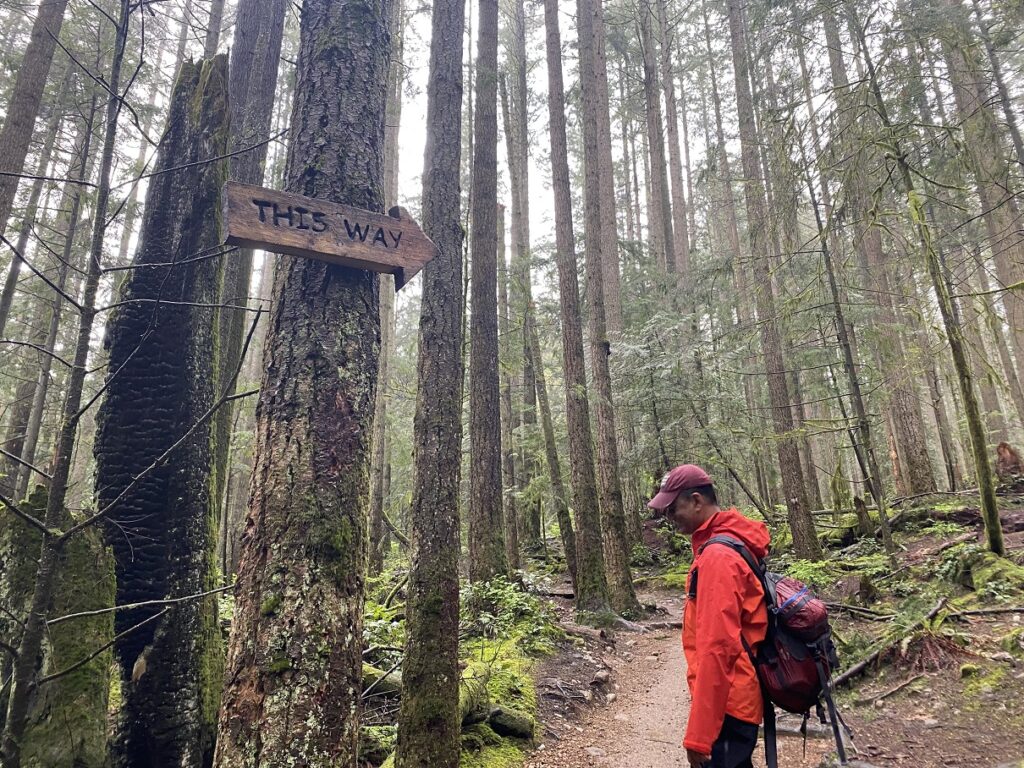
(739, 548)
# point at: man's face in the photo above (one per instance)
(686, 512)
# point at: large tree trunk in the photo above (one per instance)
(160, 387)
(294, 671)
(429, 723)
(591, 585)
(26, 96)
(613, 522)
(486, 525)
(805, 541)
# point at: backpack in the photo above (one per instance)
(794, 664)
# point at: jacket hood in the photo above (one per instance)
(729, 522)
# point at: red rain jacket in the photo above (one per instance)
(730, 605)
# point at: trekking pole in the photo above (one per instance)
(833, 716)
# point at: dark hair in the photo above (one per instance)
(707, 491)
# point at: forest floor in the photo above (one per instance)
(947, 693)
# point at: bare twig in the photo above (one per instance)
(35, 522)
(82, 662)
(143, 604)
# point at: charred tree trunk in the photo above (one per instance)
(160, 387)
(429, 723)
(294, 670)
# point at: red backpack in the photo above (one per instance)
(795, 662)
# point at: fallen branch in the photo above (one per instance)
(576, 630)
(664, 625)
(394, 592)
(866, 612)
(402, 538)
(985, 612)
(860, 666)
(891, 691)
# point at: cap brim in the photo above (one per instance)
(663, 500)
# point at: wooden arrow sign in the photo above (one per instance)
(283, 222)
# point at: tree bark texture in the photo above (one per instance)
(486, 524)
(591, 586)
(429, 723)
(26, 96)
(161, 384)
(805, 541)
(294, 670)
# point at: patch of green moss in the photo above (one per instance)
(376, 742)
(270, 605)
(504, 755)
(1013, 642)
(980, 682)
(279, 664)
(507, 672)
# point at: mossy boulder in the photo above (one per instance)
(511, 722)
(377, 742)
(977, 569)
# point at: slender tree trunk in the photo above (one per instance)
(378, 462)
(294, 670)
(255, 54)
(429, 727)
(47, 573)
(680, 233)
(486, 524)
(999, 81)
(613, 523)
(801, 523)
(213, 28)
(508, 465)
(659, 209)
(987, 160)
(591, 585)
(70, 202)
(25, 99)
(951, 322)
(31, 208)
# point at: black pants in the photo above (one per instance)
(735, 745)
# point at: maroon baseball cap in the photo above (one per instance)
(680, 479)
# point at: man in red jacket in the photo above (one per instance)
(726, 613)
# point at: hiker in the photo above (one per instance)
(727, 613)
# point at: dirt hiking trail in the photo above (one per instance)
(639, 715)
